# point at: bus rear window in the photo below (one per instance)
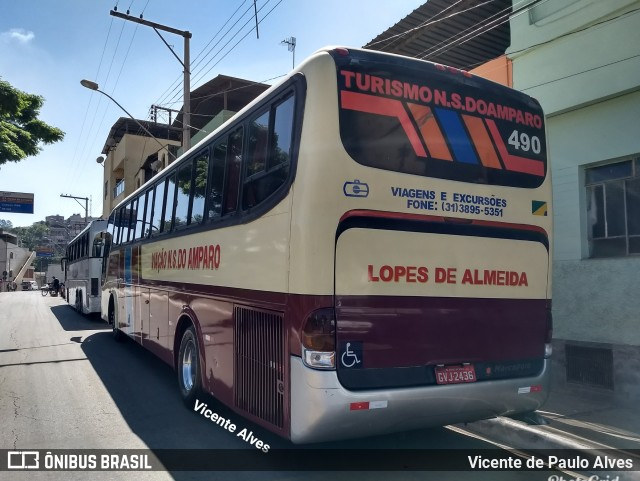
(425, 119)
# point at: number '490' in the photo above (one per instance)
(522, 141)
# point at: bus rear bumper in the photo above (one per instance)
(323, 410)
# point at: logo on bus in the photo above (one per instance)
(355, 188)
(351, 355)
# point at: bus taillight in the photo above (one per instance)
(319, 339)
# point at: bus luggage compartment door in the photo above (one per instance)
(409, 301)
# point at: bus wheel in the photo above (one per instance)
(117, 333)
(189, 367)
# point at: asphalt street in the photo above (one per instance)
(66, 384)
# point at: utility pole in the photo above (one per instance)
(86, 203)
(154, 112)
(186, 64)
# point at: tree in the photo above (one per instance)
(21, 132)
(32, 236)
(6, 224)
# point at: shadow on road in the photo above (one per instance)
(145, 391)
(72, 320)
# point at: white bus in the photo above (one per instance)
(362, 249)
(82, 268)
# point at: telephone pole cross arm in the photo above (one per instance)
(186, 112)
(86, 203)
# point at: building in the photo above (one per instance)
(127, 149)
(62, 231)
(580, 59)
(132, 157)
(15, 262)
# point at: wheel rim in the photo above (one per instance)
(188, 366)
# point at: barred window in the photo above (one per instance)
(613, 208)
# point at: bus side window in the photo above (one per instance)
(125, 221)
(183, 194)
(234, 163)
(215, 190)
(196, 207)
(116, 227)
(282, 134)
(139, 220)
(133, 215)
(257, 150)
(111, 227)
(265, 176)
(98, 244)
(157, 208)
(149, 210)
(121, 230)
(169, 204)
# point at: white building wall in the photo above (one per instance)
(581, 60)
(584, 52)
(586, 136)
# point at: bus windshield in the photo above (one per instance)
(435, 121)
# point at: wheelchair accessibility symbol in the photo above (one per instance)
(352, 355)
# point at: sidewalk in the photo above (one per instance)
(577, 419)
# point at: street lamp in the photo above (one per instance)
(94, 86)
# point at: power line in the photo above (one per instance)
(95, 114)
(400, 36)
(175, 84)
(449, 42)
(201, 75)
(581, 72)
(86, 112)
(429, 23)
(630, 12)
(229, 90)
(483, 27)
(245, 36)
(115, 85)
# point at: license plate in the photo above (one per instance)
(455, 374)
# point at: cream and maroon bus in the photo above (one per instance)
(365, 248)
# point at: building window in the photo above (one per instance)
(119, 188)
(613, 209)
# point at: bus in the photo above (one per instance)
(363, 249)
(82, 268)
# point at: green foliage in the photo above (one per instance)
(5, 224)
(21, 132)
(32, 236)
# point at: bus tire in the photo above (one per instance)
(189, 367)
(117, 334)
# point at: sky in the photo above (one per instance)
(47, 47)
